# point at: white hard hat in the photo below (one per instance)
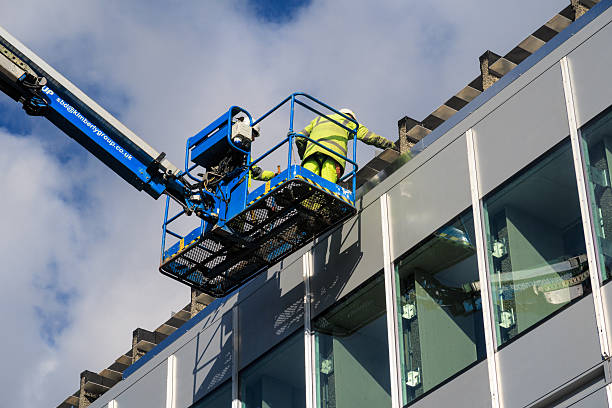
(256, 130)
(348, 112)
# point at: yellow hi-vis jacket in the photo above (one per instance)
(335, 138)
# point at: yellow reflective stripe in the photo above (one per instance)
(333, 142)
(320, 121)
(325, 141)
(267, 188)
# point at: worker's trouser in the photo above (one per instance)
(324, 166)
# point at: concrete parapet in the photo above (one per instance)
(92, 386)
(144, 341)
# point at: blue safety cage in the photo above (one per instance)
(247, 231)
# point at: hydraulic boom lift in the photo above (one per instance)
(238, 233)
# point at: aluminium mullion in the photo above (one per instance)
(236, 403)
(483, 275)
(585, 208)
(391, 306)
(171, 382)
(309, 340)
(587, 216)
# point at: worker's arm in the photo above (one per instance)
(368, 137)
(300, 142)
(261, 175)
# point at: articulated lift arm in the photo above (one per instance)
(42, 91)
(239, 232)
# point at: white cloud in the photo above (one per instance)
(167, 71)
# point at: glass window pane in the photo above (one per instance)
(219, 398)
(352, 350)
(277, 380)
(535, 242)
(440, 314)
(597, 144)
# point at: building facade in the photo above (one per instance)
(475, 274)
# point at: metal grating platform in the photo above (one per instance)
(276, 225)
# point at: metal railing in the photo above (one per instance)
(226, 119)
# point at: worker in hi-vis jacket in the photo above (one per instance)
(321, 161)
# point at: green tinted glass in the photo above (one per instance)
(535, 242)
(597, 145)
(219, 398)
(277, 380)
(352, 365)
(440, 316)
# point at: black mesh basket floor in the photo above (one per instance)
(275, 226)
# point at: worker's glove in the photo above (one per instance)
(300, 143)
(389, 145)
(256, 172)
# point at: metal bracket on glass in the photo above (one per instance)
(506, 319)
(413, 378)
(327, 366)
(409, 311)
(499, 248)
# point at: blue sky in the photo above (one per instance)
(13, 119)
(80, 262)
(278, 11)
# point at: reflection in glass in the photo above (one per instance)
(535, 242)
(440, 315)
(219, 398)
(277, 380)
(352, 367)
(597, 144)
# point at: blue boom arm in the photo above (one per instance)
(114, 154)
(43, 92)
(239, 232)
